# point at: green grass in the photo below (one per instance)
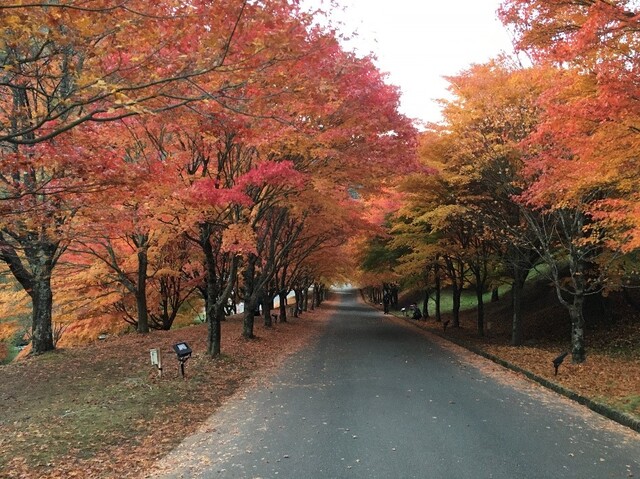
(468, 300)
(13, 352)
(631, 404)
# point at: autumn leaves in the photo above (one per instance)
(535, 165)
(158, 157)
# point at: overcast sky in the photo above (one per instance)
(419, 41)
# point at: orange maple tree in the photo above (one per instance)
(582, 151)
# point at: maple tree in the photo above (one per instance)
(433, 224)
(67, 63)
(143, 266)
(467, 219)
(271, 97)
(68, 69)
(582, 151)
(593, 109)
(566, 228)
(42, 192)
(276, 227)
(495, 108)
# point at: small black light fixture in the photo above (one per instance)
(183, 351)
(558, 361)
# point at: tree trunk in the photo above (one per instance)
(457, 292)
(214, 329)
(578, 354)
(298, 307)
(282, 296)
(516, 323)
(495, 295)
(425, 305)
(516, 297)
(267, 302)
(437, 298)
(480, 311)
(36, 281)
(250, 297)
(41, 260)
(141, 291)
(266, 311)
(394, 296)
(480, 283)
(42, 299)
(248, 320)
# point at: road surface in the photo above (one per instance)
(374, 398)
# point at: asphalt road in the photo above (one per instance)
(376, 399)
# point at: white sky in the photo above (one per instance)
(419, 41)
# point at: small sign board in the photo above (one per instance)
(155, 357)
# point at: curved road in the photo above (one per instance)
(375, 399)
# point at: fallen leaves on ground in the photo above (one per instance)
(102, 411)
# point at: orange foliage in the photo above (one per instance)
(277, 108)
(8, 329)
(86, 331)
(589, 135)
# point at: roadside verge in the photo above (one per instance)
(603, 409)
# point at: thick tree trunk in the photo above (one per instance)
(248, 319)
(266, 311)
(211, 296)
(578, 354)
(41, 261)
(306, 299)
(141, 291)
(214, 331)
(42, 298)
(36, 281)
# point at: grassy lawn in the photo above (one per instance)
(468, 300)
